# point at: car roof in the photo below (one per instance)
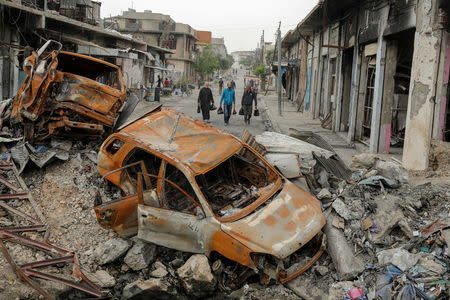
(184, 139)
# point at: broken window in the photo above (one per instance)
(114, 146)
(152, 164)
(172, 197)
(235, 183)
(91, 69)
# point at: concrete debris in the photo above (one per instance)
(196, 276)
(306, 288)
(111, 250)
(276, 292)
(103, 279)
(324, 194)
(388, 217)
(347, 264)
(159, 270)
(158, 288)
(432, 266)
(398, 257)
(363, 161)
(342, 209)
(392, 170)
(140, 255)
(286, 152)
(321, 270)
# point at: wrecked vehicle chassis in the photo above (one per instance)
(67, 93)
(191, 187)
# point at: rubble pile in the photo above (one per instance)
(385, 238)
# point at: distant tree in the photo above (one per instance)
(206, 62)
(225, 62)
(260, 71)
(246, 62)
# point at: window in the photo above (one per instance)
(114, 146)
(235, 183)
(175, 199)
(151, 162)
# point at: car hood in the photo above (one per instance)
(282, 226)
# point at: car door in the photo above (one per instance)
(121, 214)
(180, 222)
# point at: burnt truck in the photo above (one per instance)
(69, 94)
(189, 186)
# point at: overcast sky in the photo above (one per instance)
(239, 22)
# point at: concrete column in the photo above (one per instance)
(327, 78)
(388, 97)
(356, 68)
(379, 82)
(318, 96)
(443, 81)
(422, 91)
(377, 95)
(339, 88)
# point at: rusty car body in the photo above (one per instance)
(67, 93)
(189, 186)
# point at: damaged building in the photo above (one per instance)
(376, 72)
(162, 30)
(26, 26)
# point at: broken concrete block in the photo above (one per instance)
(159, 271)
(158, 288)
(104, 279)
(306, 288)
(347, 265)
(111, 250)
(140, 255)
(432, 266)
(392, 170)
(388, 216)
(341, 208)
(324, 194)
(398, 257)
(363, 161)
(196, 276)
(321, 270)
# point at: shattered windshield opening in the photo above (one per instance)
(236, 183)
(91, 69)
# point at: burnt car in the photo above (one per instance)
(189, 186)
(68, 94)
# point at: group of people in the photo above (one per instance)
(228, 99)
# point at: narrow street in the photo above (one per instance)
(188, 105)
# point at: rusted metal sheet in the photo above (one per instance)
(68, 93)
(17, 235)
(229, 199)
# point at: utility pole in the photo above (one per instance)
(279, 68)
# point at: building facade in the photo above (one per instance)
(26, 28)
(376, 71)
(163, 31)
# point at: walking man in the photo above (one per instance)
(247, 103)
(229, 100)
(233, 84)
(205, 102)
(220, 86)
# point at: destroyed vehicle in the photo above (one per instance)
(189, 186)
(67, 94)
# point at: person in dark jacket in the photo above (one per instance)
(205, 101)
(233, 84)
(247, 103)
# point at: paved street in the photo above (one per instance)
(188, 105)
